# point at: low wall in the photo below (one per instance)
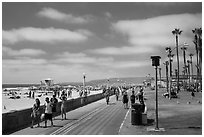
(14, 121)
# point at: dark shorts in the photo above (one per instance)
(54, 109)
(125, 100)
(48, 116)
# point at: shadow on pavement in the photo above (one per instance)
(150, 122)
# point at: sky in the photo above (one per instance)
(63, 40)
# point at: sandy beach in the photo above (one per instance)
(24, 102)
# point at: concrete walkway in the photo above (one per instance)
(182, 116)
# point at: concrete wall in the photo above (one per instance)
(14, 121)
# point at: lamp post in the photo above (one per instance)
(155, 62)
(176, 73)
(166, 63)
(188, 61)
(160, 75)
(191, 61)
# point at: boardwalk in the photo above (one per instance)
(94, 119)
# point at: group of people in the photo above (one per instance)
(133, 97)
(125, 98)
(49, 108)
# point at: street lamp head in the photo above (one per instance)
(155, 60)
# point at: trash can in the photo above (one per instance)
(136, 117)
(138, 107)
(136, 114)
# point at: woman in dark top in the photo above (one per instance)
(132, 97)
(125, 100)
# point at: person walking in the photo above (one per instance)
(140, 95)
(35, 115)
(48, 111)
(33, 94)
(116, 94)
(63, 112)
(107, 96)
(192, 94)
(125, 99)
(132, 97)
(54, 102)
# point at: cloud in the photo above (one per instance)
(74, 58)
(108, 14)
(47, 35)
(54, 14)
(80, 58)
(69, 69)
(126, 50)
(22, 52)
(22, 63)
(130, 64)
(156, 31)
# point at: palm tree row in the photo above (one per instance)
(198, 47)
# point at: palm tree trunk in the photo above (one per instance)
(200, 59)
(177, 62)
(197, 67)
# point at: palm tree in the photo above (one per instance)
(198, 45)
(177, 32)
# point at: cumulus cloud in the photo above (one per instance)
(147, 35)
(80, 58)
(156, 31)
(22, 52)
(54, 14)
(47, 35)
(108, 62)
(126, 50)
